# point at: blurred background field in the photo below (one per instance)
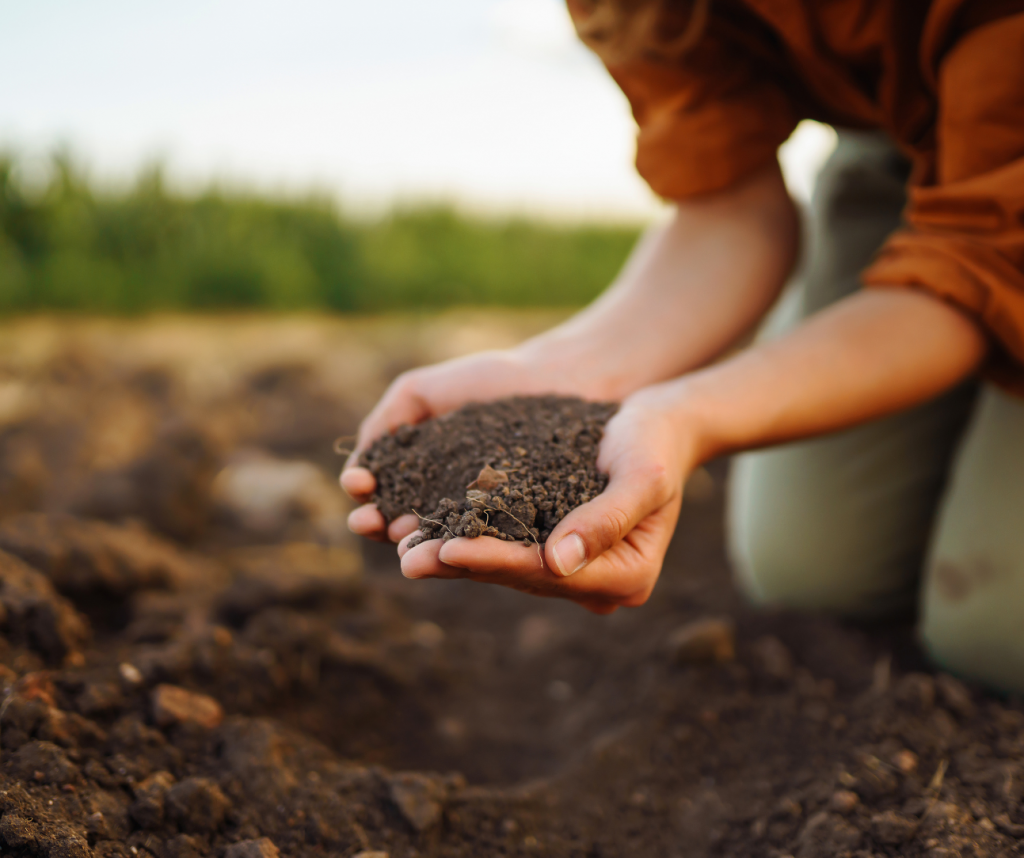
(66, 244)
(339, 157)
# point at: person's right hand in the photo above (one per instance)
(429, 392)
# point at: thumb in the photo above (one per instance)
(591, 529)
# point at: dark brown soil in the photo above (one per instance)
(511, 469)
(262, 692)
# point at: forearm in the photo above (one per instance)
(869, 355)
(690, 290)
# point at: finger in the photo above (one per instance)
(358, 482)
(402, 527)
(423, 562)
(403, 545)
(599, 587)
(591, 529)
(486, 555)
(400, 404)
(368, 521)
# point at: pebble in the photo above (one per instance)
(905, 761)
(844, 800)
(709, 640)
(262, 848)
(130, 673)
(419, 799)
(175, 705)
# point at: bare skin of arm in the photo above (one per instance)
(691, 289)
(689, 292)
(869, 355)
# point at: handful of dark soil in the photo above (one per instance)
(511, 469)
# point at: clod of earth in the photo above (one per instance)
(510, 469)
(348, 698)
(174, 705)
(197, 805)
(420, 799)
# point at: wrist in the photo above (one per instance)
(573, 364)
(676, 406)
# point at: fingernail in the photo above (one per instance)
(442, 555)
(570, 555)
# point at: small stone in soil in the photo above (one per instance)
(262, 848)
(905, 761)
(130, 673)
(419, 798)
(709, 640)
(175, 705)
(844, 800)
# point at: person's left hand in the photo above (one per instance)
(606, 553)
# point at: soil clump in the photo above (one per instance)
(511, 469)
(247, 690)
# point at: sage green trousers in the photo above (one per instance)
(925, 506)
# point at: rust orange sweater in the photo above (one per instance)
(944, 78)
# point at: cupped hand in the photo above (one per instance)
(429, 392)
(606, 553)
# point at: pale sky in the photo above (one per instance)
(492, 104)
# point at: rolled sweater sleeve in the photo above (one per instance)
(964, 240)
(705, 121)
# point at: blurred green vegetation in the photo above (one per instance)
(70, 246)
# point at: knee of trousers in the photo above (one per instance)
(790, 547)
(971, 627)
(972, 602)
